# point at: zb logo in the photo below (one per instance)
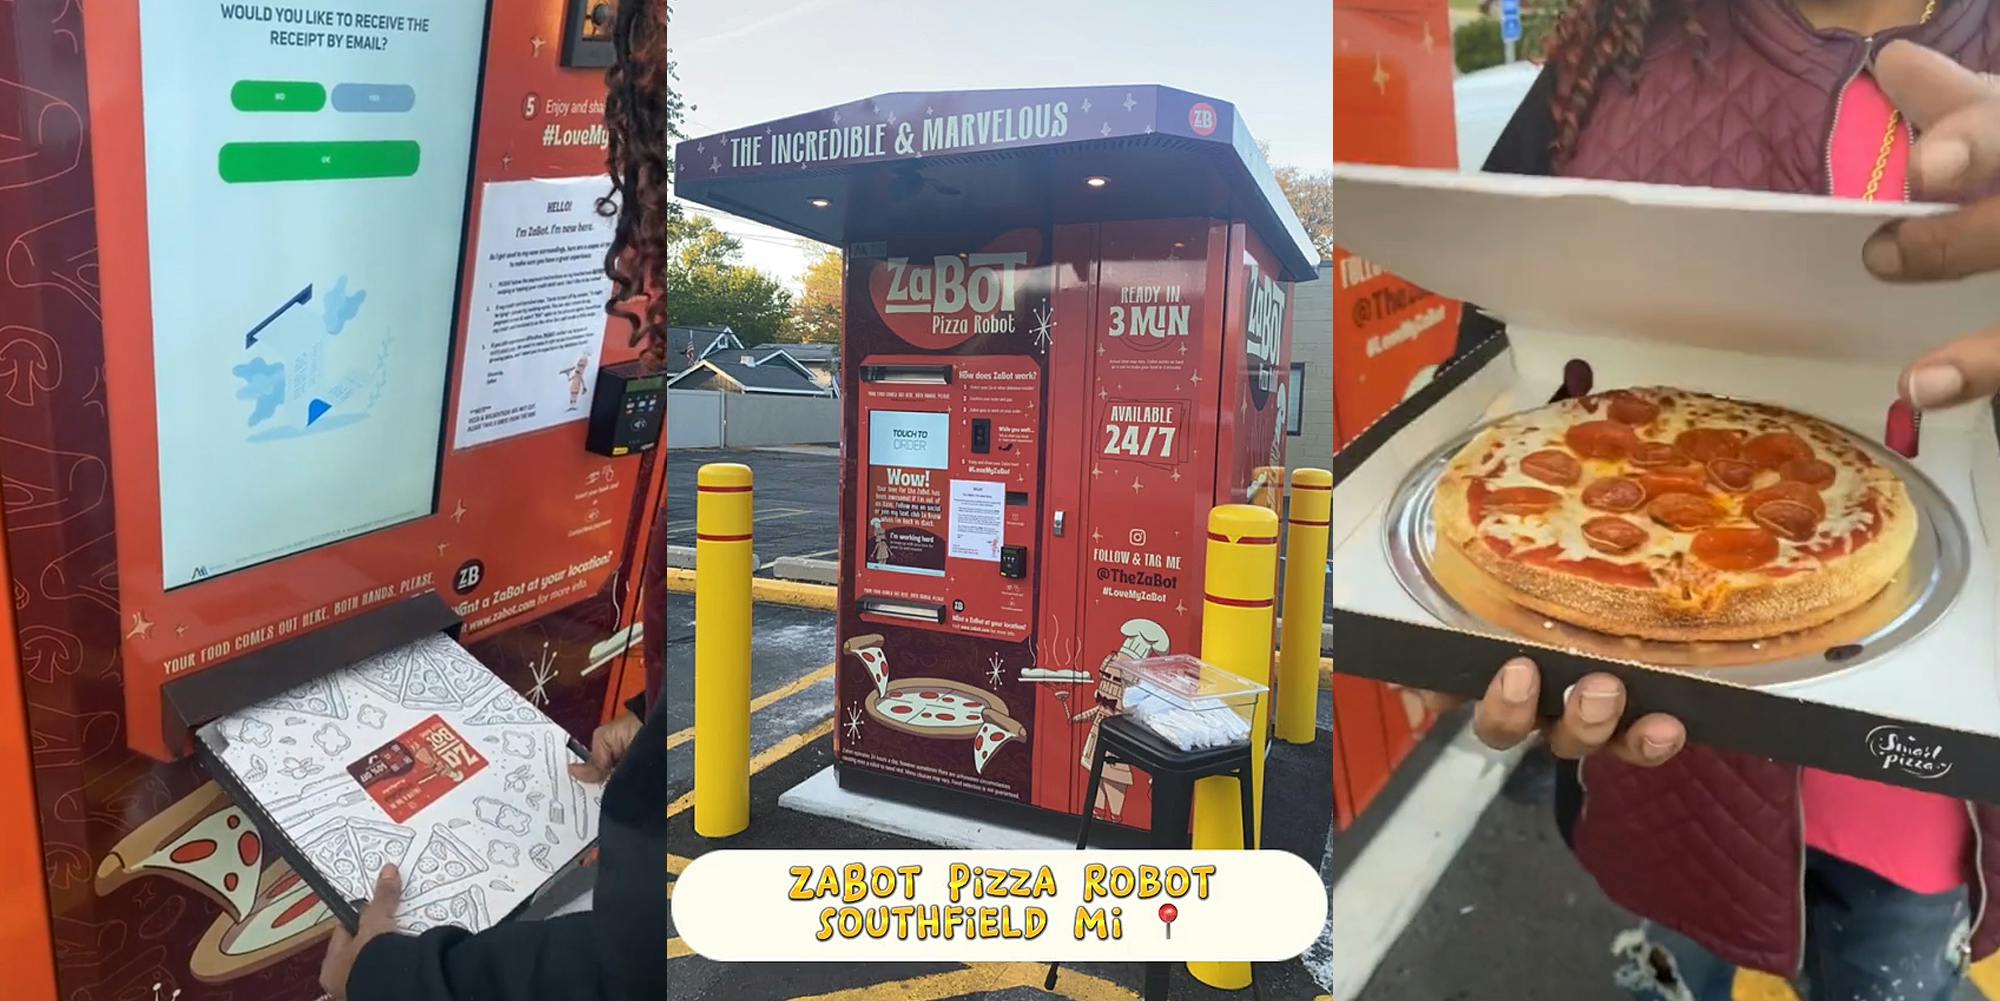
(469, 576)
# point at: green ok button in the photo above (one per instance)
(255, 163)
(277, 95)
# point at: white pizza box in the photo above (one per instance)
(509, 821)
(1745, 294)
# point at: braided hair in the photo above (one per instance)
(639, 117)
(1598, 39)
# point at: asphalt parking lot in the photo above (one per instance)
(792, 707)
(797, 491)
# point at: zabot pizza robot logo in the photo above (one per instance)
(1263, 329)
(995, 906)
(942, 302)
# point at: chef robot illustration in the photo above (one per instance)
(1143, 638)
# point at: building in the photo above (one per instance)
(821, 360)
(748, 370)
(687, 345)
(1312, 373)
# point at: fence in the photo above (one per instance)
(707, 419)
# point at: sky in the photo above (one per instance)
(751, 61)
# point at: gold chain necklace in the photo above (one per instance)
(1889, 135)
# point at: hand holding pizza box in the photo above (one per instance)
(1713, 519)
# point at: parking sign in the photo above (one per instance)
(1510, 20)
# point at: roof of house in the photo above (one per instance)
(824, 354)
(757, 378)
(701, 339)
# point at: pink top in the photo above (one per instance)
(1918, 840)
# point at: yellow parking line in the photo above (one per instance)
(769, 756)
(679, 737)
(980, 980)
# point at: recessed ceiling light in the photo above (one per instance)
(1097, 182)
(819, 203)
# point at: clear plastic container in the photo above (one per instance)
(1187, 701)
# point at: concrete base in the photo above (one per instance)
(682, 558)
(801, 568)
(822, 796)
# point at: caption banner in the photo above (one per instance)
(962, 906)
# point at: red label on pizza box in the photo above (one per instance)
(417, 769)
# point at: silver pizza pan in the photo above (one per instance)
(1464, 598)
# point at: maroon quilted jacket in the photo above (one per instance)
(1712, 844)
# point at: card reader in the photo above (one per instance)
(627, 410)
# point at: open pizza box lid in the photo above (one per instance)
(1743, 294)
(391, 743)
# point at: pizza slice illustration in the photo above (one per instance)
(349, 852)
(869, 650)
(203, 842)
(443, 860)
(994, 730)
(504, 707)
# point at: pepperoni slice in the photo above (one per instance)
(230, 881)
(1734, 548)
(193, 851)
(294, 912)
(1521, 500)
(249, 848)
(1682, 512)
(1552, 466)
(1661, 484)
(284, 883)
(1703, 444)
(900, 709)
(1733, 475)
(1773, 449)
(929, 695)
(1654, 453)
(1614, 493)
(1601, 440)
(1797, 493)
(1787, 519)
(1811, 472)
(944, 716)
(1627, 408)
(232, 821)
(1610, 534)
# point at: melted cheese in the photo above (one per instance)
(1502, 449)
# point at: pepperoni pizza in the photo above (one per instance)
(1672, 515)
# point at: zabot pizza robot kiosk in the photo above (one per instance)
(311, 568)
(1067, 337)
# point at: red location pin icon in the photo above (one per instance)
(1168, 913)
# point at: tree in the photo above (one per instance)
(1311, 195)
(708, 286)
(816, 315)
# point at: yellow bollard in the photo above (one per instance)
(722, 650)
(1305, 602)
(1236, 612)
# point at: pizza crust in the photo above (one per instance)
(1693, 603)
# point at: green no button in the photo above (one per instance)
(262, 163)
(277, 95)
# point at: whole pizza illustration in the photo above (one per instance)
(1672, 515)
(933, 707)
